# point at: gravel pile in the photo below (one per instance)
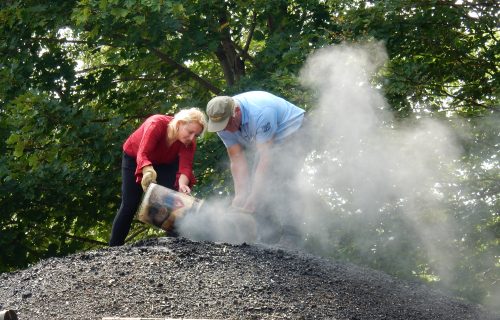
(179, 278)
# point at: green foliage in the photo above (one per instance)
(76, 77)
(443, 54)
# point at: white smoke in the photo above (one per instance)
(215, 221)
(365, 160)
(369, 177)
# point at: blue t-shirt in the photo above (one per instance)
(264, 117)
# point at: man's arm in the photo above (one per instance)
(239, 170)
(260, 175)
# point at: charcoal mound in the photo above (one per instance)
(179, 278)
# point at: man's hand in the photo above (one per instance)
(250, 204)
(243, 205)
(239, 210)
(238, 202)
(148, 176)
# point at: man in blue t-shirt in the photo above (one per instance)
(254, 119)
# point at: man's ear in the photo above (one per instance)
(179, 123)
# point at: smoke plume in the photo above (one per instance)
(367, 165)
(372, 185)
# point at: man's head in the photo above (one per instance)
(219, 110)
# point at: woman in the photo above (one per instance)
(161, 150)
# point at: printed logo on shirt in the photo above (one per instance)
(266, 127)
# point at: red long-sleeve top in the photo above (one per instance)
(148, 145)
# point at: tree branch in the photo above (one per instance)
(102, 66)
(87, 240)
(182, 69)
(244, 51)
(59, 40)
(125, 79)
(140, 230)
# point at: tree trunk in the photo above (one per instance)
(232, 64)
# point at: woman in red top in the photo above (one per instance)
(161, 150)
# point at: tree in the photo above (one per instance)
(80, 75)
(443, 54)
(76, 77)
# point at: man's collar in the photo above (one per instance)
(244, 116)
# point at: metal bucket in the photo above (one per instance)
(161, 206)
(8, 315)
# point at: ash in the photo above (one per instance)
(179, 278)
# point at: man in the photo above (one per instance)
(263, 122)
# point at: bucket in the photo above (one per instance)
(161, 206)
(8, 315)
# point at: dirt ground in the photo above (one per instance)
(179, 278)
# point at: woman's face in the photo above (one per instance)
(188, 132)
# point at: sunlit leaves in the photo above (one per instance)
(443, 50)
(77, 76)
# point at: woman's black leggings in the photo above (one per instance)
(132, 193)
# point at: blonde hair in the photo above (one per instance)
(187, 116)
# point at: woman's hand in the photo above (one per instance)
(184, 188)
(184, 184)
(148, 176)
